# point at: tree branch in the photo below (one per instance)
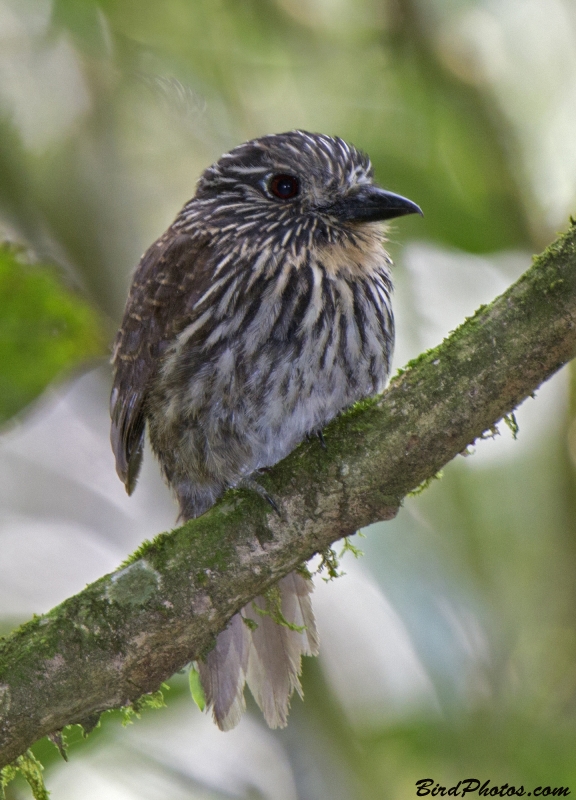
(126, 633)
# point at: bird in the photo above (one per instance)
(262, 313)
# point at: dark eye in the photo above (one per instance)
(284, 186)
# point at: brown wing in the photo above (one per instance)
(170, 278)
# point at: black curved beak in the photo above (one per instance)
(371, 204)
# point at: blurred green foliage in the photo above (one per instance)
(45, 330)
(105, 184)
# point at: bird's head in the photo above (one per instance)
(292, 186)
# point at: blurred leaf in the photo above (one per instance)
(15, 184)
(44, 329)
(83, 19)
(445, 145)
(196, 689)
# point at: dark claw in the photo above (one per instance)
(320, 437)
(271, 500)
(252, 485)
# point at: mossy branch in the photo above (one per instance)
(126, 633)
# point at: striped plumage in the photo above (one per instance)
(260, 314)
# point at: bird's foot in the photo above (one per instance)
(252, 485)
(320, 436)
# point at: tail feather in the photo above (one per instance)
(223, 674)
(274, 664)
(297, 608)
(268, 657)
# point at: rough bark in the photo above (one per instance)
(127, 632)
